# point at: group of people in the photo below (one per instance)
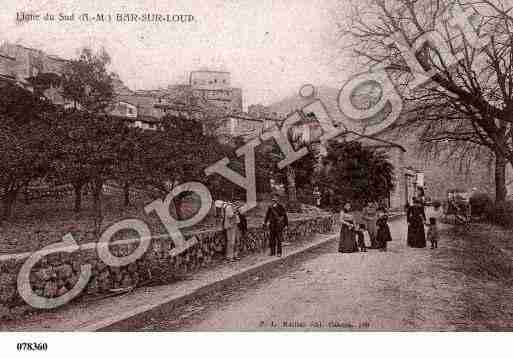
(235, 226)
(372, 231)
(417, 221)
(368, 231)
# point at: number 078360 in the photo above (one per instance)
(32, 346)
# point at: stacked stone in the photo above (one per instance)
(55, 274)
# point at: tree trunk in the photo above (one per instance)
(9, 200)
(77, 187)
(126, 192)
(97, 205)
(293, 204)
(500, 178)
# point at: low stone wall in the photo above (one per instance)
(55, 274)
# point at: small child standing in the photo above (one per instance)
(432, 234)
(363, 238)
(366, 237)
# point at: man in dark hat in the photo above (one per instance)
(276, 218)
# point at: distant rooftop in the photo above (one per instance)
(213, 71)
(51, 56)
(8, 57)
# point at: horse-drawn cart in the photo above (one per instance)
(458, 207)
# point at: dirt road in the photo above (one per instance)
(402, 289)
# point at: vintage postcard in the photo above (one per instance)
(270, 166)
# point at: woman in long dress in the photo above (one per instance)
(347, 243)
(416, 218)
(370, 218)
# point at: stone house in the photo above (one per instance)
(7, 64)
(29, 62)
(138, 110)
(215, 88)
(244, 125)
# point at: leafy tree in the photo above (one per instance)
(87, 82)
(177, 153)
(91, 149)
(131, 170)
(27, 142)
(304, 170)
(266, 159)
(356, 174)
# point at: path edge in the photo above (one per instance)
(129, 320)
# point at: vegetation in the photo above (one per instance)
(501, 213)
(480, 204)
(83, 150)
(356, 174)
(82, 147)
(467, 103)
(27, 142)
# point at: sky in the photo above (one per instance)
(270, 47)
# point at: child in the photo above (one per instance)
(366, 237)
(383, 235)
(432, 234)
(363, 238)
(436, 212)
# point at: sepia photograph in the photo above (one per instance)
(322, 167)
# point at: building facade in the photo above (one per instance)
(25, 63)
(29, 62)
(215, 88)
(22, 63)
(7, 64)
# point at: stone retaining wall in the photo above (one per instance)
(57, 273)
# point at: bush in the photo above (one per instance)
(501, 213)
(480, 204)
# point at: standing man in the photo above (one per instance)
(231, 227)
(277, 219)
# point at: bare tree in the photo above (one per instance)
(468, 99)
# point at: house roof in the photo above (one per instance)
(148, 119)
(8, 57)
(242, 117)
(212, 71)
(53, 57)
(145, 104)
(7, 78)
